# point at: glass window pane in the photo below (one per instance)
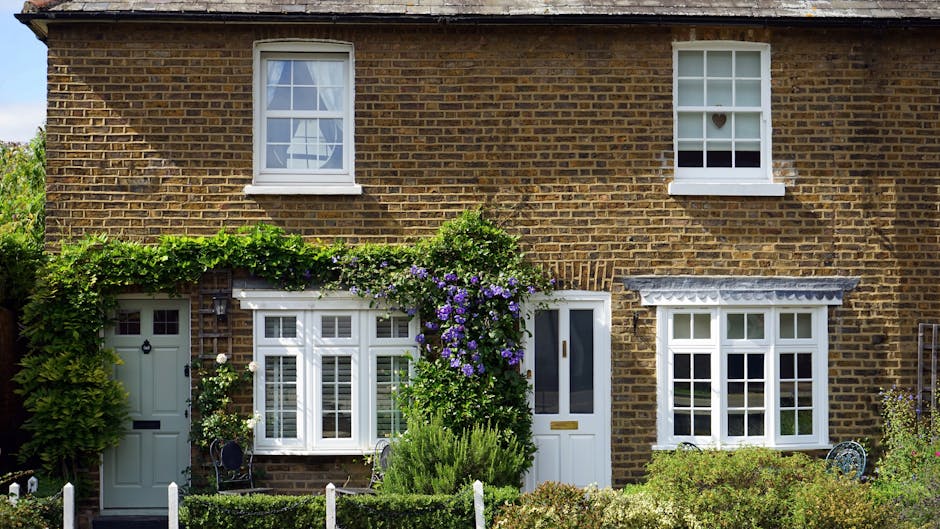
(747, 64)
(804, 420)
(755, 424)
(336, 396)
(331, 99)
(691, 63)
(166, 322)
(718, 154)
(804, 394)
(712, 128)
(682, 366)
(691, 93)
(735, 326)
(691, 154)
(304, 98)
(755, 326)
(276, 156)
(718, 63)
(280, 396)
(278, 97)
(736, 424)
(718, 93)
(755, 394)
(804, 325)
(787, 422)
(682, 423)
(787, 394)
(278, 130)
(702, 327)
(702, 397)
(383, 328)
(682, 394)
(302, 72)
(702, 423)
(546, 362)
(736, 366)
(747, 93)
(581, 367)
(804, 365)
(755, 366)
(747, 125)
(681, 326)
(735, 394)
(787, 366)
(703, 366)
(786, 326)
(690, 125)
(279, 72)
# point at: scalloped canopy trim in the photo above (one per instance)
(740, 290)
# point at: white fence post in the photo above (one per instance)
(478, 504)
(331, 506)
(68, 506)
(173, 507)
(32, 485)
(14, 493)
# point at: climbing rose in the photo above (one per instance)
(221, 358)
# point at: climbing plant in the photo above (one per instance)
(467, 284)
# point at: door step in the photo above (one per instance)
(130, 522)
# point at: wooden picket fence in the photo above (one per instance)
(173, 518)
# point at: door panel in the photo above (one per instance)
(568, 363)
(155, 451)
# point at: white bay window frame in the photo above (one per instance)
(313, 181)
(729, 181)
(363, 349)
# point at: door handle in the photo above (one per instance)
(146, 347)
(528, 373)
(564, 348)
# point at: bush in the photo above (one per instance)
(31, 512)
(636, 508)
(386, 511)
(908, 471)
(837, 502)
(431, 459)
(551, 506)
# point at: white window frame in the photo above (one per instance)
(725, 180)
(718, 346)
(363, 348)
(306, 181)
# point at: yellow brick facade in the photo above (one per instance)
(564, 135)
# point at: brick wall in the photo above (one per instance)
(564, 134)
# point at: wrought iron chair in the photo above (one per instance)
(232, 474)
(686, 446)
(848, 458)
(383, 449)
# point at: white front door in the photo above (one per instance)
(568, 363)
(152, 339)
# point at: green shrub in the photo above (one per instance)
(837, 502)
(740, 489)
(636, 508)
(551, 506)
(908, 471)
(431, 459)
(31, 512)
(385, 511)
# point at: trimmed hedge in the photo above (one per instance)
(381, 511)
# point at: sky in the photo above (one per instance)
(23, 82)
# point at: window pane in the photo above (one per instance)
(280, 326)
(747, 93)
(681, 326)
(736, 424)
(702, 423)
(755, 366)
(804, 365)
(787, 422)
(682, 394)
(755, 326)
(280, 397)
(391, 373)
(747, 125)
(735, 394)
(804, 394)
(718, 63)
(336, 326)
(546, 361)
(718, 93)
(682, 366)
(691, 64)
(804, 325)
(278, 130)
(276, 156)
(747, 64)
(278, 97)
(804, 421)
(691, 93)
(703, 366)
(787, 363)
(703, 327)
(690, 125)
(736, 366)
(755, 394)
(712, 128)
(581, 376)
(718, 154)
(755, 424)
(691, 154)
(735, 326)
(304, 98)
(682, 423)
(703, 394)
(786, 326)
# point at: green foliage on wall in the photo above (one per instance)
(22, 217)
(467, 284)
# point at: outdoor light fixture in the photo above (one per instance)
(220, 307)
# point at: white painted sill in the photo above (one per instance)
(730, 189)
(324, 189)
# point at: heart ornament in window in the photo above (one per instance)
(719, 120)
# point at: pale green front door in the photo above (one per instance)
(152, 338)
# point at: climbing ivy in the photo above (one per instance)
(466, 284)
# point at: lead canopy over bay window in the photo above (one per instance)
(328, 370)
(742, 361)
